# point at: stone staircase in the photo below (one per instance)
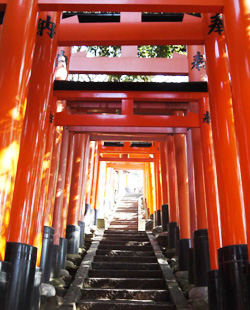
(125, 273)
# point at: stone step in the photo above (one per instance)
(142, 233)
(148, 283)
(123, 305)
(114, 238)
(122, 218)
(125, 247)
(107, 273)
(125, 266)
(126, 259)
(124, 253)
(129, 294)
(124, 227)
(125, 242)
(129, 236)
(114, 223)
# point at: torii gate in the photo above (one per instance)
(22, 215)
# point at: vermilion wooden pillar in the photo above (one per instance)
(73, 230)
(158, 186)
(237, 23)
(25, 222)
(198, 225)
(182, 179)
(152, 182)
(150, 190)
(94, 181)
(234, 250)
(15, 68)
(196, 75)
(57, 214)
(62, 65)
(97, 184)
(164, 172)
(85, 176)
(67, 184)
(89, 183)
(191, 184)
(45, 180)
(173, 190)
(173, 193)
(211, 185)
(49, 205)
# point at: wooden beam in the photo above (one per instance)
(111, 120)
(127, 160)
(133, 33)
(80, 64)
(171, 96)
(126, 130)
(178, 6)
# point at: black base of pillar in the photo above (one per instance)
(155, 218)
(45, 264)
(191, 266)
(214, 290)
(63, 244)
(82, 233)
(247, 271)
(232, 261)
(201, 257)
(5, 269)
(95, 216)
(23, 265)
(177, 238)
(73, 237)
(183, 249)
(158, 217)
(171, 235)
(164, 217)
(56, 262)
(36, 297)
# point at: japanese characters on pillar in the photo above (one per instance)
(228, 171)
(19, 38)
(210, 174)
(222, 119)
(36, 124)
(237, 23)
(198, 73)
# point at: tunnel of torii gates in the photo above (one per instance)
(55, 167)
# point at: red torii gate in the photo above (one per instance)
(17, 70)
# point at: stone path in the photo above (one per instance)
(125, 273)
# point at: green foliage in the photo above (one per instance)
(104, 51)
(144, 51)
(160, 51)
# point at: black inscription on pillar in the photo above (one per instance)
(51, 117)
(206, 118)
(198, 62)
(62, 58)
(216, 24)
(46, 24)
